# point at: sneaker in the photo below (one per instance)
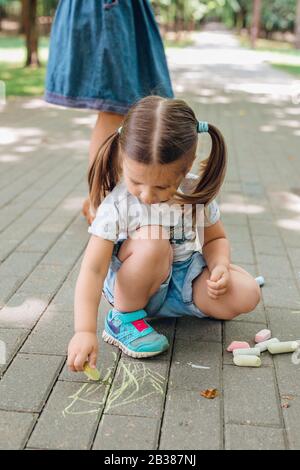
(133, 335)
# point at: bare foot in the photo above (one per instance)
(86, 210)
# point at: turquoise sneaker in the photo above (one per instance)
(133, 335)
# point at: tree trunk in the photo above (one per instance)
(297, 28)
(31, 32)
(255, 22)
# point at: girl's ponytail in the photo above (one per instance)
(103, 174)
(212, 171)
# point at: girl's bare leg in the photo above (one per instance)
(242, 296)
(106, 124)
(145, 266)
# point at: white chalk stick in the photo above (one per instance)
(246, 352)
(264, 345)
(247, 361)
(283, 347)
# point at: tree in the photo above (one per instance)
(255, 22)
(29, 15)
(297, 26)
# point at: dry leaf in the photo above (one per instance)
(209, 393)
(285, 405)
(287, 397)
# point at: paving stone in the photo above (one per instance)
(188, 358)
(182, 429)
(19, 264)
(268, 245)
(69, 419)
(138, 389)
(12, 338)
(253, 389)
(23, 310)
(127, 432)
(280, 293)
(15, 429)
(51, 334)
(292, 422)
(242, 253)
(8, 287)
(243, 437)
(275, 266)
(28, 381)
(200, 329)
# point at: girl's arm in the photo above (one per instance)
(88, 291)
(216, 248)
(89, 284)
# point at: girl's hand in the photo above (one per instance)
(217, 284)
(83, 347)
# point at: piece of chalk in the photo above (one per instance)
(283, 347)
(263, 335)
(264, 345)
(260, 280)
(91, 373)
(238, 345)
(247, 352)
(247, 361)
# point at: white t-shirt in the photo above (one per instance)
(121, 213)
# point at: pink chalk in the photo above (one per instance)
(238, 345)
(262, 335)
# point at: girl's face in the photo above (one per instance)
(152, 184)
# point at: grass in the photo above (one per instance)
(292, 69)
(269, 45)
(20, 80)
(181, 43)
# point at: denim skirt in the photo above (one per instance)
(105, 55)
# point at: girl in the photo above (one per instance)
(105, 55)
(137, 253)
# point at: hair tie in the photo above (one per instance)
(202, 127)
(119, 130)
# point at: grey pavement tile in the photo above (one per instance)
(243, 437)
(127, 432)
(138, 388)
(19, 264)
(23, 310)
(242, 253)
(8, 287)
(70, 417)
(291, 417)
(28, 381)
(200, 329)
(268, 245)
(51, 335)
(15, 429)
(254, 390)
(274, 266)
(294, 255)
(281, 293)
(11, 339)
(188, 359)
(182, 429)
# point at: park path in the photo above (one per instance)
(152, 404)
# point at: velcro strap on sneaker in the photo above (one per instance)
(132, 316)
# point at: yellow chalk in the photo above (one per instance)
(91, 373)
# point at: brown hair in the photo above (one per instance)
(159, 130)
